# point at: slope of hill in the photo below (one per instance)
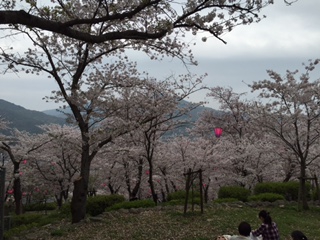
(193, 115)
(24, 119)
(29, 120)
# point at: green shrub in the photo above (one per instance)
(65, 209)
(266, 197)
(34, 218)
(40, 206)
(174, 202)
(25, 219)
(289, 190)
(225, 200)
(20, 223)
(97, 204)
(178, 195)
(315, 195)
(57, 233)
(236, 192)
(14, 231)
(133, 204)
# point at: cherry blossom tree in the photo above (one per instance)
(245, 156)
(192, 154)
(83, 50)
(18, 146)
(129, 163)
(57, 162)
(105, 99)
(134, 21)
(289, 110)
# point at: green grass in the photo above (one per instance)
(28, 221)
(171, 223)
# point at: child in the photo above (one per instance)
(268, 229)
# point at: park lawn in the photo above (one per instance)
(171, 223)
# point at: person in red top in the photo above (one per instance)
(268, 229)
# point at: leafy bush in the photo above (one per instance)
(57, 233)
(20, 223)
(176, 202)
(97, 204)
(24, 219)
(289, 190)
(225, 200)
(133, 204)
(179, 195)
(266, 197)
(40, 206)
(236, 192)
(315, 195)
(17, 230)
(65, 209)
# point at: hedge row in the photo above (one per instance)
(97, 204)
(234, 192)
(269, 191)
(289, 190)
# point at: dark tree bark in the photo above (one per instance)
(26, 19)
(79, 199)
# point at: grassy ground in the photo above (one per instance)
(173, 224)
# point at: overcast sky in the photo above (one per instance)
(289, 36)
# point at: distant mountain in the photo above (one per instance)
(24, 119)
(193, 115)
(56, 112)
(188, 119)
(29, 120)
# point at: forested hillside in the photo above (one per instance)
(29, 120)
(24, 119)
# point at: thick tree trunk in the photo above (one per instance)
(80, 191)
(153, 192)
(17, 195)
(136, 188)
(133, 195)
(303, 203)
(79, 200)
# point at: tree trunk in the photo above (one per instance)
(317, 187)
(80, 191)
(59, 200)
(79, 200)
(153, 192)
(17, 195)
(136, 188)
(206, 193)
(174, 186)
(303, 203)
(133, 194)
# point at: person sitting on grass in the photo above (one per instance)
(298, 235)
(268, 229)
(244, 229)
